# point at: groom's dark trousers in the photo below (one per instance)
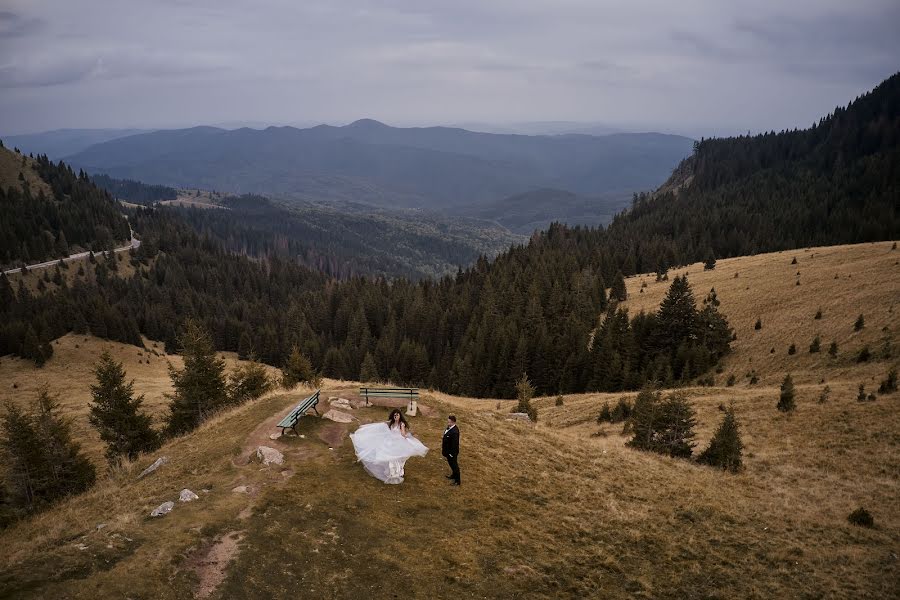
(450, 450)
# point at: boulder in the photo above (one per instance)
(241, 489)
(518, 417)
(157, 464)
(187, 496)
(341, 403)
(338, 416)
(163, 509)
(269, 456)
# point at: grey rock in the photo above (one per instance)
(156, 464)
(338, 416)
(518, 417)
(269, 456)
(187, 496)
(163, 509)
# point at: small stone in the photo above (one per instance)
(101, 526)
(157, 464)
(187, 496)
(357, 402)
(269, 456)
(275, 436)
(241, 489)
(338, 416)
(518, 417)
(163, 509)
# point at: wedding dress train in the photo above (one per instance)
(383, 451)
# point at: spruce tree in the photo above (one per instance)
(860, 323)
(833, 349)
(248, 382)
(724, 450)
(786, 401)
(43, 464)
(618, 291)
(816, 345)
(199, 386)
(662, 426)
(297, 369)
(524, 393)
(116, 413)
(368, 372)
(710, 263)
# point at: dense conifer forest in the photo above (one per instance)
(135, 192)
(541, 309)
(35, 227)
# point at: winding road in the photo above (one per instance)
(132, 244)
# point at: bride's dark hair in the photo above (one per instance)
(390, 420)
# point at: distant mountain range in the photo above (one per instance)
(62, 142)
(368, 161)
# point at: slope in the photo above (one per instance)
(545, 510)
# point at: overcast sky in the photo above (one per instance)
(693, 67)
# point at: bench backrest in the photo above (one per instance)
(389, 392)
(299, 411)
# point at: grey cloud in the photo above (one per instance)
(690, 67)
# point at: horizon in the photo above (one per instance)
(699, 70)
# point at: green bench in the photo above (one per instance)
(405, 393)
(290, 421)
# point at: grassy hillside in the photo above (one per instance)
(560, 509)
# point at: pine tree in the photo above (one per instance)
(663, 426)
(297, 369)
(833, 349)
(786, 400)
(889, 385)
(710, 263)
(43, 463)
(524, 393)
(199, 386)
(859, 324)
(724, 450)
(368, 372)
(116, 413)
(248, 382)
(816, 345)
(619, 291)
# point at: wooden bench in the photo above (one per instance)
(290, 421)
(404, 393)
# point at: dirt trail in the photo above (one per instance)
(211, 566)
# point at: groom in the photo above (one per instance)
(450, 448)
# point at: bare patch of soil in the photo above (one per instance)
(211, 563)
(333, 434)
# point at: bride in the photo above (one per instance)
(383, 448)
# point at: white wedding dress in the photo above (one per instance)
(383, 451)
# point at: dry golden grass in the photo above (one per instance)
(11, 166)
(844, 281)
(545, 511)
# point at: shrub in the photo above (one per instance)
(793, 349)
(794, 261)
(725, 448)
(861, 396)
(524, 392)
(823, 397)
(559, 400)
(786, 402)
(859, 324)
(818, 314)
(833, 349)
(754, 378)
(864, 355)
(758, 324)
(815, 346)
(889, 385)
(861, 517)
(731, 380)
(663, 426)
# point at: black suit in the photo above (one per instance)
(450, 449)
